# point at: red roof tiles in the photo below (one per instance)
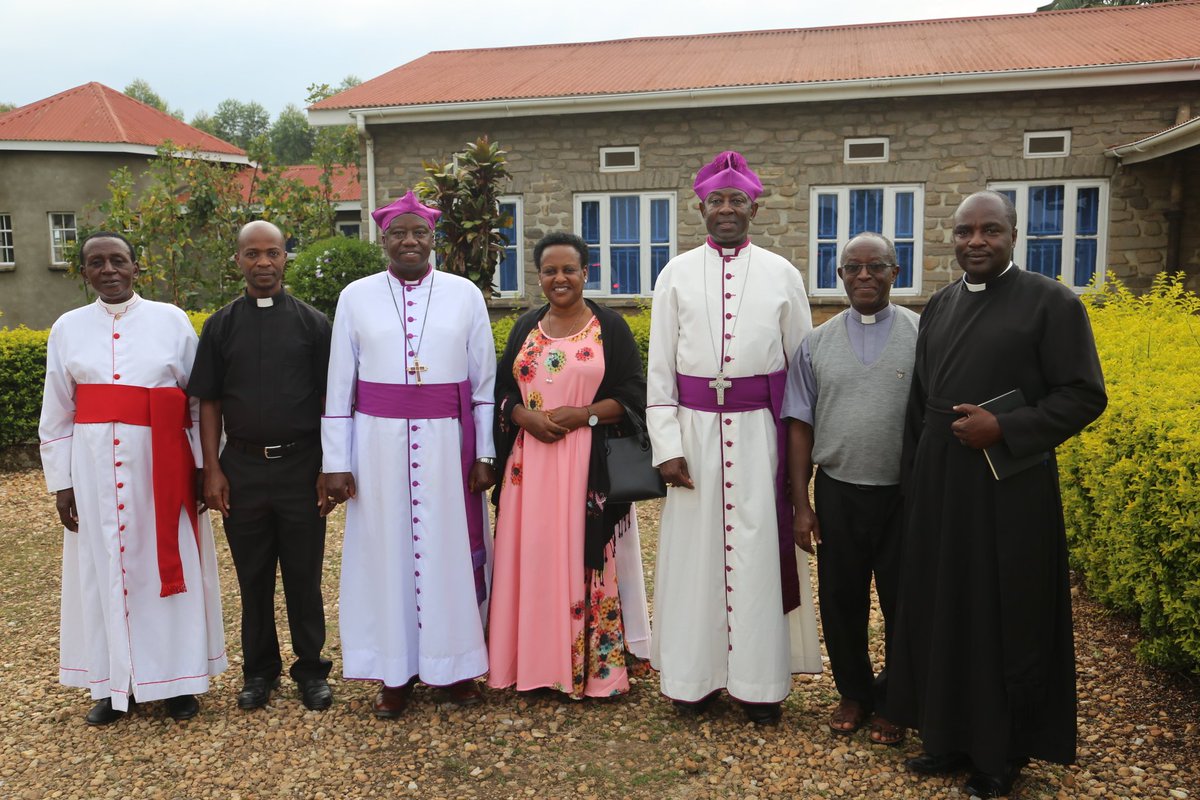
(345, 181)
(1037, 41)
(93, 113)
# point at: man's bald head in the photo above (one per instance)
(1010, 210)
(257, 228)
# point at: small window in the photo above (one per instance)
(8, 255)
(630, 238)
(62, 234)
(351, 230)
(620, 159)
(860, 151)
(1047, 144)
(509, 279)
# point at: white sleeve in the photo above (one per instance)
(57, 425)
(183, 372)
(481, 371)
(662, 393)
(797, 321)
(337, 424)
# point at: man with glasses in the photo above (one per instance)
(260, 375)
(845, 400)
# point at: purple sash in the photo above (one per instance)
(435, 401)
(754, 393)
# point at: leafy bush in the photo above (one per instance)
(639, 323)
(501, 328)
(1131, 494)
(325, 267)
(22, 375)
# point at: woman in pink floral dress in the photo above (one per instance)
(568, 599)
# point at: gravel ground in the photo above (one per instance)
(1138, 727)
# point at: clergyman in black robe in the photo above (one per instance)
(983, 662)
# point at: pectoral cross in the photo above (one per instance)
(720, 383)
(416, 369)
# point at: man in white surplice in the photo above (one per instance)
(407, 441)
(732, 603)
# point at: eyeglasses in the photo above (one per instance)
(878, 270)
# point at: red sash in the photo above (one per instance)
(165, 412)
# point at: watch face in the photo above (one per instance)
(592, 420)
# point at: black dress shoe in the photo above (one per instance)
(256, 693)
(316, 694)
(694, 709)
(984, 784)
(763, 713)
(103, 713)
(926, 764)
(184, 706)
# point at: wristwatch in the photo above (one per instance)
(593, 420)
(491, 462)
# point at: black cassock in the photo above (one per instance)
(983, 657)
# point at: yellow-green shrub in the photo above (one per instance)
(22, 375)
(1131, 494)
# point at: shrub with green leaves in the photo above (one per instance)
(1131, 480)
(325, 267)
(22, 375)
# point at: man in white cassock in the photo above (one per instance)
(407, 443)
(141, 604)
(732, 603)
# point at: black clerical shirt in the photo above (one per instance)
(267, 364)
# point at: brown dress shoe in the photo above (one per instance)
(391, 701)
(463, 693)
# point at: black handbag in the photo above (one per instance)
(630, 474)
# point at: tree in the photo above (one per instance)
(1066, 5)
(202, 120)
(292, 138)
(240, 123)
(5, 107)
(467, 190)
(140, 90)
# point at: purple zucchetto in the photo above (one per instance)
(728, 170)
(409, 204)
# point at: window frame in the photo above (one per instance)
(1066, 148)
(644, 231)
(884, 140)
(74, 229)
(342, 225)
(1071, 187)
(6, 227)
(518, 247)
(637, 158)
(843, 233)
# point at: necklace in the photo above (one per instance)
(571, 330)
(720, 383)
(417, 367)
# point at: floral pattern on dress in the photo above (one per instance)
(555, 361)
(515, 477)
(599, 646)
(535, 403)
(587, 330)
(526, 363)
(584, 354)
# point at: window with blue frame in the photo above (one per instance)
(1061, 228)
(510, 272)
(631, 237)
(839, 213)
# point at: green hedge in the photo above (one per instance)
(1131, 480)
(22, 375)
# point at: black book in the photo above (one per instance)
(999, 458)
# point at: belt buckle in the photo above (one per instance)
(267, 452)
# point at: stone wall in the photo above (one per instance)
(953, 145)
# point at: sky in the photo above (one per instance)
(194, 55)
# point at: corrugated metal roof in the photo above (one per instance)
(1037, 41)
(346, 187)
(94, 113)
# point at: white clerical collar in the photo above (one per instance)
(417, 282)
(117, 309)
(871, 319)
(728, 252)
(979, 287)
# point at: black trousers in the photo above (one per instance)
(860, 536)
(273, 520)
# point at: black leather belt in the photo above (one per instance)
(272, 451)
